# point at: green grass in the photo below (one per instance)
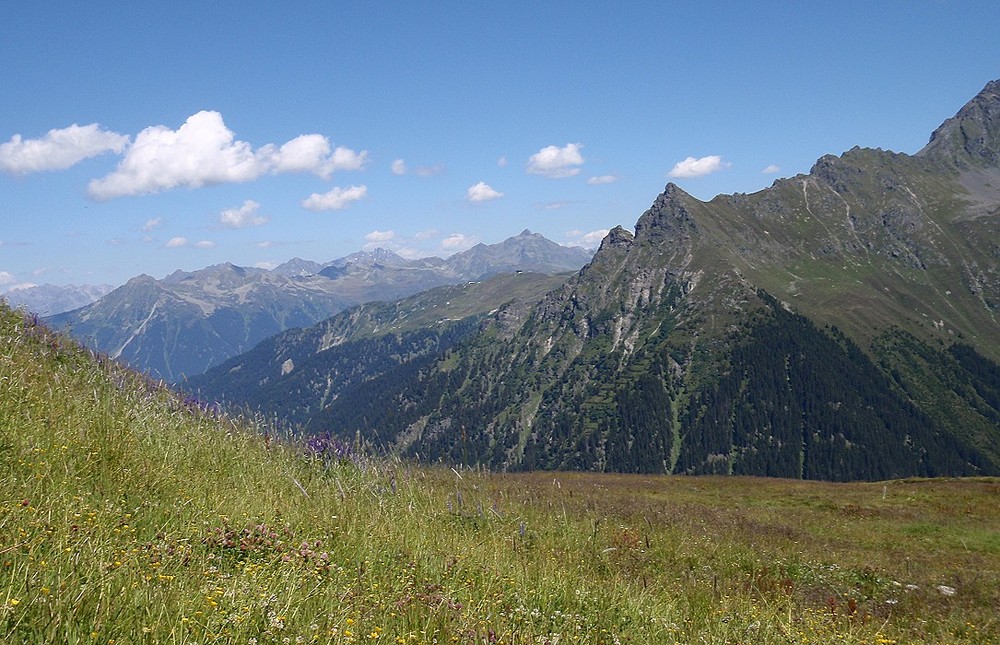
(130, 516)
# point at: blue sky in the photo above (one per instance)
(147, 137)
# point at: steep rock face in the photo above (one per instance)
(972, 137)
(789, 332)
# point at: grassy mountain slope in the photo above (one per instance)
(130, 515)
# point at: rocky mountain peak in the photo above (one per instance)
(971, 137)
(618, 238)
(668, 217)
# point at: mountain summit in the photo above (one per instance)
(972, 137)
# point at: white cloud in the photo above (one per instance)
(426, 235)
(379, 236)
(398, 167)
(343, 159)
(21, 285)
(203, 151)
(311, 153)
(482, 192)
(502, 161)
(457, 242)
(335, 199)
(602, 179)
(268, 265)
(6, 277)
(242, 217)
(587, 240)
(700, 167)
(151, 224)
(771, 170)
(555, 162)
(58, 149)
(181, 242)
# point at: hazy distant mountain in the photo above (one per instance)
(843, 324)
(526, 252)
(50, 299)
(189, 321)
(298, 267)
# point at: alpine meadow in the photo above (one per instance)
(764, 418)
(133, 514)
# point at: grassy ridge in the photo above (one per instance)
(130, 515)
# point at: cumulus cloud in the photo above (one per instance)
(151, 224)
(426, 235)
(587, 240)
(458, 242)
(267, 265)
(482, 192)
(204, 244)
(336, 199)
(378, 237)
(6, 277)
(311, 153)
(398, 167)
(242, 217)
(771, 170)
(502, 161)
(602, 179)
(700, 167)
(203, 151)
(555, 162)
(58, 149)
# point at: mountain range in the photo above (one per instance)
(190, 321)
(841, 324)
(50, 299)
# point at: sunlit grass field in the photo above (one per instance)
(131, 515)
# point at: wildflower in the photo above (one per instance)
(14, 602)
